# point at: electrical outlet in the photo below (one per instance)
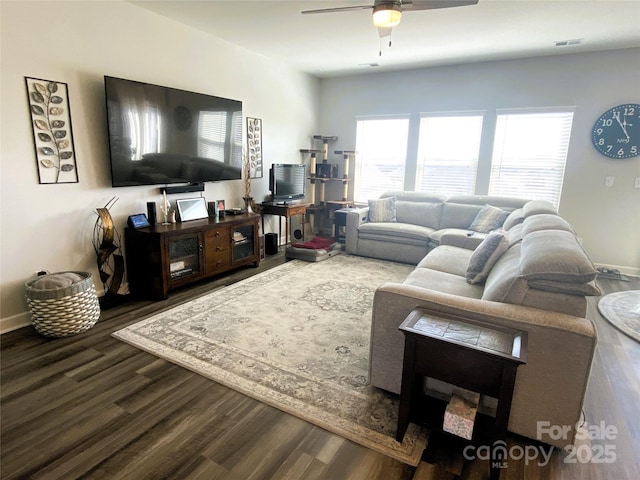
(608, 181)
(637, 183)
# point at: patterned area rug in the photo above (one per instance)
(295, 337)
(622, 310)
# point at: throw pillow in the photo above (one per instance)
(488, 218)
(485, 256)
(382, 210)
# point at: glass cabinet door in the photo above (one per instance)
(184, 256)
(243, 242)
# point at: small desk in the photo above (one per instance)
(284, 210)
(471, 355)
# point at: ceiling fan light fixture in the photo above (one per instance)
(387, 15)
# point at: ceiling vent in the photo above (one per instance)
(568, 43)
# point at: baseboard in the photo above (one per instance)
(15, 322)
(634, 272)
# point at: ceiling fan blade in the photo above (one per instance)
(338, 9)
(414, 5)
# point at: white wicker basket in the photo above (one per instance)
(65, 311)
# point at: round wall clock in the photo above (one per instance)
(616, 134)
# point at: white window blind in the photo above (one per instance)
(212, 130)
(448, 150)
(381, 144)
(530, 153)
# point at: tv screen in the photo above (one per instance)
(287, 181)
(161, 135)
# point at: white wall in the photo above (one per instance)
(50, 226)
(608, 219)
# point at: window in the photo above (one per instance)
(144, 137)
(382, 151)
(529, 154)
(213, 130)
(448, 150)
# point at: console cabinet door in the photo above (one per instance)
(244, 244)
(184, 254)
(217, 249)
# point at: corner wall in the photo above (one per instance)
(51, 226)
(607, 218)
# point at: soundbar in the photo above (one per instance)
(192, 187)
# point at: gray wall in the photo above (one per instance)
(607, 218)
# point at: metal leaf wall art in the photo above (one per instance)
(254, 147)
(52, 134)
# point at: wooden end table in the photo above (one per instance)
(471, 355)
(286, 210)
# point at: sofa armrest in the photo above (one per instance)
(355, 218)
(549, 387)
(469, 242)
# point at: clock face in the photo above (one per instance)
(616, 134)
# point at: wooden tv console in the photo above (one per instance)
(163, 257)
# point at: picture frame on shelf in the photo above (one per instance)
(192, 209)
(220, 208)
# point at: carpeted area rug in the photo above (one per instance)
(622, 310)
(295, 337)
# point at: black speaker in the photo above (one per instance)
(211, 209)
(151, 213)
(271, 243)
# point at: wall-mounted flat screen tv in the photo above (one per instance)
(287, 181)
(161, 135)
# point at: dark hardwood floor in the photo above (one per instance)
(90, 406)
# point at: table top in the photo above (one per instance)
(504, 342)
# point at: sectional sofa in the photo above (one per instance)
(526, 271)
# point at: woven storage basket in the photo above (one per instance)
(64, 311)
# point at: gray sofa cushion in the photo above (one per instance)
(515, 234)
(546, 221)
(555, 255)
(447, 258)
(426, 214)
(397, 230)
(488, 218)
(516, 217)
(458, 215)
(443, 282)
(504, 283)
(537, 207)
(485, 256)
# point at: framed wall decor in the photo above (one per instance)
(254, 147)
(52, 134)
(192, 209)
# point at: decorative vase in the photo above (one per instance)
(248, 201)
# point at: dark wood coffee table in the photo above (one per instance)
(471, 355)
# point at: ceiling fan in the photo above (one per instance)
(388, 13)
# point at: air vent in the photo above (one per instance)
(568, 43)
